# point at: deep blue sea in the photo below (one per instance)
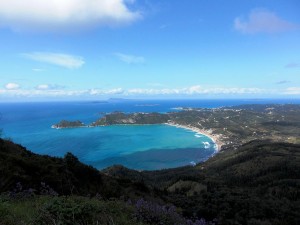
(144, 147)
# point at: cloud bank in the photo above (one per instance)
(12, 86)
(13, 90)
(47, 15)
(262, 21)
(49, 87)
(47, 90)
(292, 91)
(194, 90)
(58, 59)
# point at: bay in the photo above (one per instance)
(144, 147)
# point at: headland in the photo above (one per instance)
(228, 127)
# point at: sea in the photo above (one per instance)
(140, 147)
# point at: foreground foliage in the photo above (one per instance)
(45, 210)
(74, 210)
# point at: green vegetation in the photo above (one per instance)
(258, 183)
(68, 124)
(135, 118)
(44, 210)
(233, 126)
(240, 124)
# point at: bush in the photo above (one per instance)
(152, 213)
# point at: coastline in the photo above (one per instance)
(213, 137)
(59, 128)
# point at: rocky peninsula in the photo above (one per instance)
(68, 124)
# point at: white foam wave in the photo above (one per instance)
(206, 144)
(193, 163)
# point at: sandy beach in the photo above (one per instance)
(208, 133)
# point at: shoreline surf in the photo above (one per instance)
(213, 137)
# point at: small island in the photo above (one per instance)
(68, 124)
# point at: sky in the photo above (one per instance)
(149, 49)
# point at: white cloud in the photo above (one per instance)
(195, 90)
(49, 87)
(46, 90)
(42, 93)
(221, 90)
(42, 87)
(292, 91)
(262, 21)
(12, 86)
(115, 91)
(64, 14)
(141, 91)
(130, 59)
(59, 59)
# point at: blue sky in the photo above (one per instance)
(99, 49)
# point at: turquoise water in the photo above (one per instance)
(146, 147)
(118, 145)
(105, 146)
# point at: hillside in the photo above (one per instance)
(64, 176)
(258, 183)
(135, 118)
(38, 190)
(240, 124)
